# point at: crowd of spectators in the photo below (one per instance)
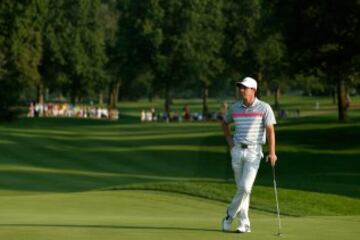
(70, 110)
(94, 112)
(152, 115)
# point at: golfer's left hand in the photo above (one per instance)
(272, 158)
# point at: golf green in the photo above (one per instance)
(148, 215)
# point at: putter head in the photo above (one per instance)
(279, 234)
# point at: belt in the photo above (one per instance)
(245, 146)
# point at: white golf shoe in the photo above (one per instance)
(226, 224)
(243, 229)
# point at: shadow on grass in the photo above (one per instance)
(106, 151)
(325, 173)
(316, 120)
(86, 174)
(110, 227)
(69, 122)
(336, 138)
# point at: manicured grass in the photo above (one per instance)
(37, 154)
(47, 162)
(293, 202)
(134, 215)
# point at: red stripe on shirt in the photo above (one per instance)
(253, 114)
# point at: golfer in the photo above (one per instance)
(254, 122)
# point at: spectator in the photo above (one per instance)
(31, 110)
(148, 116)
(187, 115)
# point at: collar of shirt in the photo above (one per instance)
(253, 103)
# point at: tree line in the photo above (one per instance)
(111, 49)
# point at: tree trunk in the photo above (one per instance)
(114, 94)
(40, 93)
(258, 79)
(277, 98)
(343, 103)
(205, 96)
(167, 99)
(333, 93)
(101, 98)
(237, 94)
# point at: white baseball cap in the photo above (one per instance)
(248, 82)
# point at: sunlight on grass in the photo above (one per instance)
(293, 202)
(122, 136)
(316, 154)
(309, 149)
(69, 172)
(104, 149)
(2, 141)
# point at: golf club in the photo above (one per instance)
(277, 203)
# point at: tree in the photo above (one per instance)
(323, 36)
(269, 50)
(138, 41)
(20, 44)
(170, 44)
(264, 54)
(202, 44)
(110, 16)
(241, 20)
(74, 49)
(53, 66)
(86, 56)
(270, 64)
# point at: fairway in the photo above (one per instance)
(179, 120)
(149, 215)
(93, 179)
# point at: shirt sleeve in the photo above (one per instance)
(228, 115)
(269, 116)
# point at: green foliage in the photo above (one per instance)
(203, 42)
(110, 15)
(323, 35)
(172, 42)
(309, 84)
(74, 48)
(20, 50)
(241, 21)
(161, 48)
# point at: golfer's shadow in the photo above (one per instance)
(109, 227)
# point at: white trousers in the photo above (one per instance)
(245, 164)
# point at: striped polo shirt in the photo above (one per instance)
(250, 122)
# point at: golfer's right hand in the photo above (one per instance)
(271, 158)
